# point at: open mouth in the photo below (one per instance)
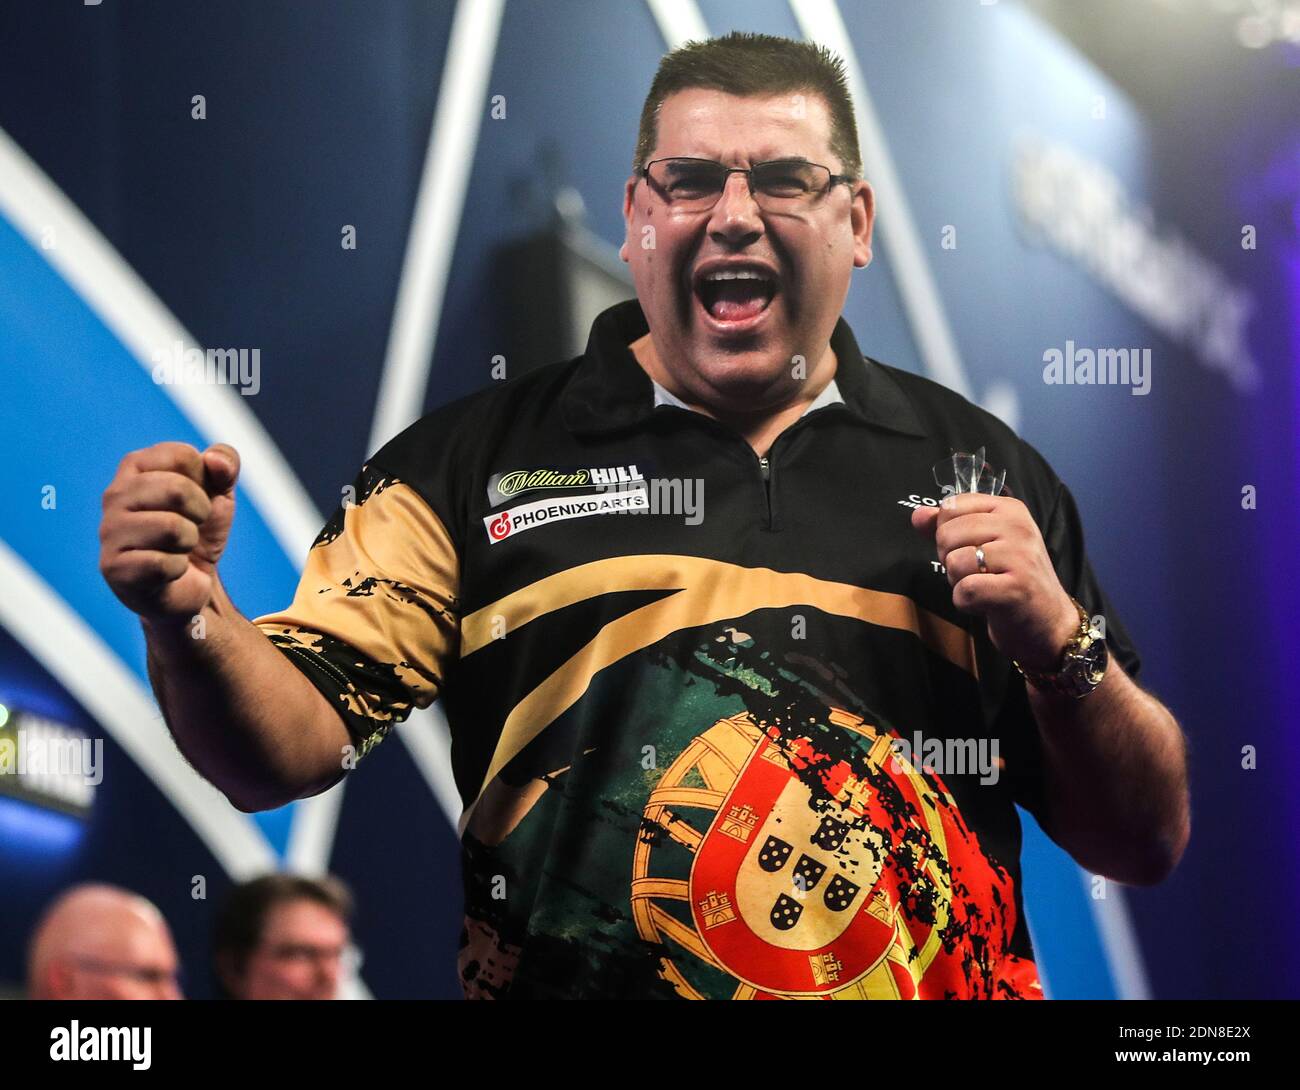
(732, 296)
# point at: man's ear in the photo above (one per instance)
(628, 190)
(59, 980)
(863, 218)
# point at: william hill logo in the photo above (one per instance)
(503, 486)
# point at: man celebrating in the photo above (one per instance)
(679, 743)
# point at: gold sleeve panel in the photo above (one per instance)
(375, 618)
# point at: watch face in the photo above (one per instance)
(1088, 664)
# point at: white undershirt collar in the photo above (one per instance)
(829, 396)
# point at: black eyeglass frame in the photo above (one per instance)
(748, 172)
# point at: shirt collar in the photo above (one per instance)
(609, 390)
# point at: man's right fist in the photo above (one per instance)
(167, 514)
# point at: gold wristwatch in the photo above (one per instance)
(1083, 662)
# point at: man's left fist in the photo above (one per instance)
(1029, 614)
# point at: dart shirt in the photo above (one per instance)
(717, 728)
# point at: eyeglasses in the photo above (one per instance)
(349, 957)
(780, 185)
(148, 976)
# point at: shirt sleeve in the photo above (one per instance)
(1015, 723)
(374, 623)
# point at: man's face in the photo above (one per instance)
(747, 362)
(300, 955)
(140, 963)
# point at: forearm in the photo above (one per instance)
(240, 713)
(1116, 770)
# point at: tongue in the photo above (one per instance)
(737, 300)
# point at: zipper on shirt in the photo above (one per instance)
(765, 469)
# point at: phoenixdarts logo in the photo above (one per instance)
(525, 516)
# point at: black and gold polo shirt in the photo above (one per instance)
(718, 730)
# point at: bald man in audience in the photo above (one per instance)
(101, 942)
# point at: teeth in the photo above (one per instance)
(735, 274)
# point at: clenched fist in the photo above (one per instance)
(167, 514)
(1030, 614)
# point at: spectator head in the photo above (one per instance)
(101, 942)
(283, 936)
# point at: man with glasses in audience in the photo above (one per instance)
(101, 942)
(282, 936)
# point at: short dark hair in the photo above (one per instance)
(754, 64)
(243, 914)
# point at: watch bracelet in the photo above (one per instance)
(1053, 680)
